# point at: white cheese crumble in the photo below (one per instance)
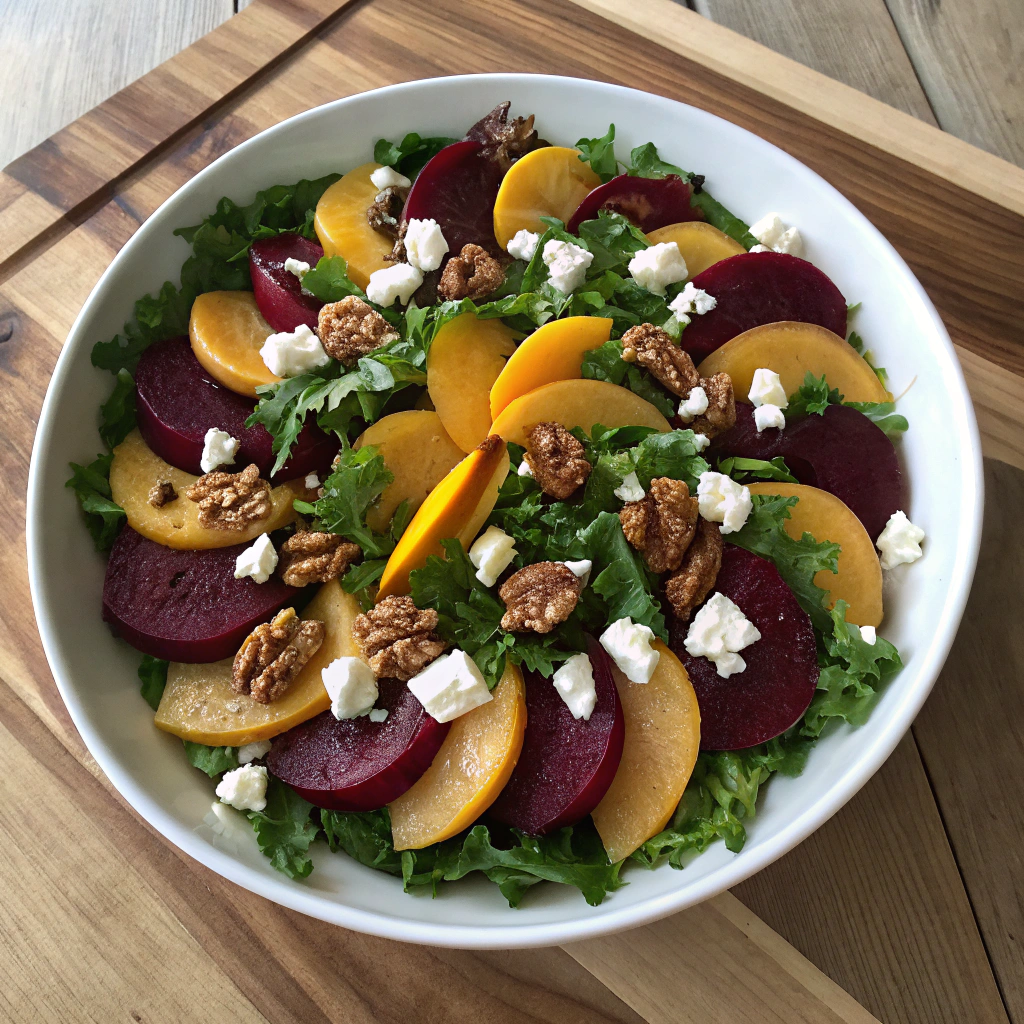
(581, 569)
(693, 405)
(258, 561)
(629, 645)
(701, 441)
(312, 481)
(759, 248)
(398, 281)
(450, 686)
(771, 232)
(523, 245)
(492, 553)
(766, 416)
(219, 449)
(766, 389)
(253, 751)
(378, 715)
(291, 353)
(629, 489)
(658, 266)
(868, 635)
(721, 500)
(567, 264)
(692, 300)
(388, 177)
(574, 681)
(244, 788)
(350, 684)
(718, 632)
(425, 246)
(900, 541)
(524, 469)
(300, 268)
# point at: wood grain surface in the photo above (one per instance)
(876, 897)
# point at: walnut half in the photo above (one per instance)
(473, 274)
(397, 638)
(539, 597)
(308, 557)
(351, 328)
(653, 349)
(273, 655)
(557, 459)
(662, 524)
(231, 501)
(696, 575)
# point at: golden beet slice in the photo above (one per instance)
(227, 331)
(702, 245)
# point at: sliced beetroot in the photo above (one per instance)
(841, 452)
(278, 291)
(566, 765)
(184, 605)
(648, 203)
(356, 764)
(776, 687)
(178, 402)
(457, 188)
(756, 288)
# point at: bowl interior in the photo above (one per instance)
(940, 454)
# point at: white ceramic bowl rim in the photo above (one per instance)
(519, 930)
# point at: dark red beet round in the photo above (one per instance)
(457, 188)
(841, 452)
(776, 687)
(756, 288)
(178, 402)
(566, 764)
(356, 764)
(183, 605)
(649, 203)
(278, 291)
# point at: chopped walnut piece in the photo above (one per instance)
(661, 525)
(656, 352)
(273, 655)
(307, 557)
(231, 501)
(693, 580)
(539, 597)
(397, 638)
(385, 211)
(504, 140)
(351, 328)
(473, 274)
(721, 412)
(557, 459)
(162, 493)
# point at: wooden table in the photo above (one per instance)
(906, 906)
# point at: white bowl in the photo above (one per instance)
(941, 456)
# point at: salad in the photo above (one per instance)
(497, 506)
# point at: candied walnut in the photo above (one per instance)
(162, 493)
(656, 352)
(473, 274)
(397, 638)
(231, 501)
(273, 655)
(557, 459)
(307, 557)
(504, 140)
(539, 597)
(385, 211)
(351, 328)
(696, 575)
(662, 524)
(721, 413)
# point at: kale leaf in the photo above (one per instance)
(285, 829)
(91, 484)
(815, 396)
(212, 760)
(743, 470)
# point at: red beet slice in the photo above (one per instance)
(649, 203)
(356, 764)
(177, 403)
(278, 291)
(841, 452)
(757, 288)
(566, 764)
(183, 605)
(776, 687)
(457, 188)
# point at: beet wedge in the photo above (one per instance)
(278, 291)
(648, 203)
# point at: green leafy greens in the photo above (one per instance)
(103, 517)
(153, 679)
(814, 396)
(408, 156)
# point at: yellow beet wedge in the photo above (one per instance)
(469, 771)
(199, 705)
(227, 331)
(792, 350)
(549, 182)
(136, 468)
(662, 742)
(343, 229)
(825, 517)
(701, 244)
(576, 403)
(553, 352)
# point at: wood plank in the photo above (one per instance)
(968, 58)
(856, 44)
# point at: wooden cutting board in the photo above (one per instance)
(908, 900)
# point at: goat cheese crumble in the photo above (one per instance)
(629, 489)
(718, 632)
(628, 644)
(450, 686)
(766, 389)
(721, 500)
(900, 541)
(244, 788)
(398, 281)
(388, 177)
(291, 353)
(257, 561)
(523, 245)
(425, 245)
(219, 449)
(253, 751)
(492, 553)
(351, 685)
(567, 264)
(693, 405)
(574, 681)
(772, 233)
(658, 266)
(692, 300)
